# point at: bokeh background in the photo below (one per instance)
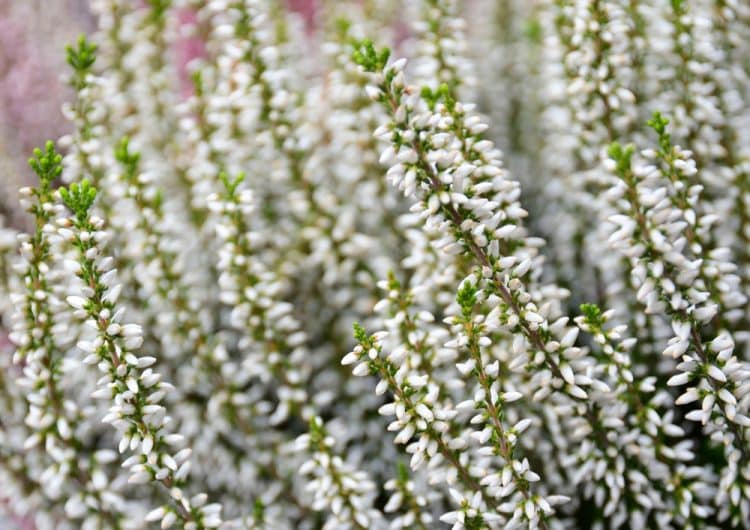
(33, 35)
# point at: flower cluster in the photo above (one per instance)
(135, 391)
(697, 289)
(547, 278)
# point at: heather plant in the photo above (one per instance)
(501, 284)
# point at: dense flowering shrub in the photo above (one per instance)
(538, 229)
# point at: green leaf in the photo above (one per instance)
(659, 124)
(230, 185)
(82, 56)
(467, 298)
(79, 198)
(622, 156)
(368, 57)
(360, 334)
(129, 159)
(259, 510)
(592, 315)
(47, 164)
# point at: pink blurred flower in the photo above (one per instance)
(306, 8)
(186, 49)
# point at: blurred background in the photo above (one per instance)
(33, 34)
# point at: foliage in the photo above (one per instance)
(537, 228)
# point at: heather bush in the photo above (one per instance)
(298, 281)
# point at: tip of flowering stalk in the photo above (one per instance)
(231, 184)
(46, 163)
(79, 197)
(81, 56)
(621, 155)
(366, 56)
(360, 335)
(658, 122)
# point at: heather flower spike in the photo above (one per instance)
(134, 390)
(384, 265)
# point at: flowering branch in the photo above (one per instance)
(134, 389)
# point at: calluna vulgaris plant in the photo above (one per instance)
(552, 336)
